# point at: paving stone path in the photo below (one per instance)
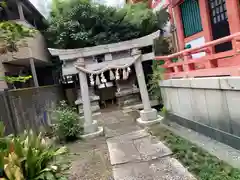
(135, 155)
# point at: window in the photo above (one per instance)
(99, 58)
(218, 11)
(191, 18)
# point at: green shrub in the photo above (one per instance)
(68, 125)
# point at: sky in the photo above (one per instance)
(44, 5)
(116, 3)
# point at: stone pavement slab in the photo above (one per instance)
(169, 168)
(162, 169)
(135, 146)
(114, 131)
(150, 150)
(136, 155)
(132, 171)
(130, 136)
(123, 152)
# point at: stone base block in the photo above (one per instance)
(95, 115)
(128, 99)
(148, 115)
(140, 105)
(94, 107)
(91, 128)
(149, 123)
(98, 133)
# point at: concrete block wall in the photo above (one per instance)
(3, 84)
(36, 45)
(31, 107)
(208, 105)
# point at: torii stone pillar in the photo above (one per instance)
(148, 116)
(91, 128)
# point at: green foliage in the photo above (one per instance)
(161, 46)
(3, 140)
(3, 4)
(30, 156)
(12, 36)
(12, 80)
(78, 23)
(199, 162)
(164, 111)
(68, 126)
(153, 84)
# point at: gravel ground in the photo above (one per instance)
(89, 160)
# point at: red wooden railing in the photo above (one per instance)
(212, 64)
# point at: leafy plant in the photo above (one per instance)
(68, 125)
(11, 79)
(164, 111)
(12, 36)
(155, 78)
(30, 156)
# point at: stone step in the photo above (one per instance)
(139, 106)
(95, 115)
(134, 147)
(139, 156)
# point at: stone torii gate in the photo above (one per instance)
(116, 56)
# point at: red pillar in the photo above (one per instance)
(233, 15)
(233, 19)
(205, 19)
(179, 27)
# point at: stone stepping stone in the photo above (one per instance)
(162, 169)
(150, 149)
(123, 152)
(111, 132)
(129, 136)
(169, 169)
(135, 146)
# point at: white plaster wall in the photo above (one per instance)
(196, 43)
(210, 101)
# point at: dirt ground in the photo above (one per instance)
(89, 160)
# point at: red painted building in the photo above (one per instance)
(207, 35)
